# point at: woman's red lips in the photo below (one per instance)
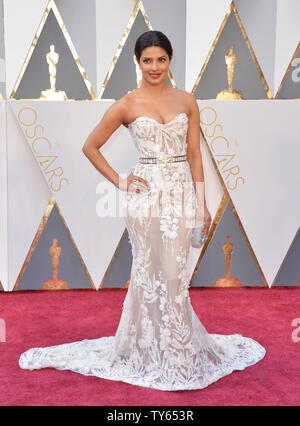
(155, 75)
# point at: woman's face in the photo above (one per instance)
(154, 64)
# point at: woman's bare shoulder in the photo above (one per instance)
(123, 102)
(187, 99)
(121, 106)
(186, 96)
(127, 101)
(128, 104)
(129, 98)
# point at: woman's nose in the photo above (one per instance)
(154, 66)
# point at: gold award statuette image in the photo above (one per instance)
(227, 281)
(230, 93)
(55, 283)
(52, 94)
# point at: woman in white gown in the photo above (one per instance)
(160, 342)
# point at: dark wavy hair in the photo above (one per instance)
(152, 38)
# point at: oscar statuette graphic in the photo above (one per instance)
(55, 283)
(230, 93)
(53, 94)
(227, 281)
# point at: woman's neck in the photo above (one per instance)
(156, 90)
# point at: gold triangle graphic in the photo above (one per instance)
(288, 70)
(138, 7)
(233, 9)
(39, 232)
(52, 7)
(225, 200)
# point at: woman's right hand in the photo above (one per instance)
(133, 183)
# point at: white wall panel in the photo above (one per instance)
(21, 23)
(28, 197)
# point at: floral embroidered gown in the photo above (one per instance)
(160, 342)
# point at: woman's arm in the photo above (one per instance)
(193, 142)
(195, 160)
(111, 121)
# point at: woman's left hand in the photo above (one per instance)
(206, 218)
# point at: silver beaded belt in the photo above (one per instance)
(164, 160)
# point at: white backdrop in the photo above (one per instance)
(262, 135)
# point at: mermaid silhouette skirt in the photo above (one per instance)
(160, 342)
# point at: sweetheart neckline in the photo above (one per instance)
(153, 119)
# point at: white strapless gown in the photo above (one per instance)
(160, 342)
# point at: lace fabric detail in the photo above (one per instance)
(160, 342)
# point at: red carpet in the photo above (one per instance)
(44, 319)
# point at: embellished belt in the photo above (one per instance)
(164, 160)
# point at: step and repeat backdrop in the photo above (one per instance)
(63, 63)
